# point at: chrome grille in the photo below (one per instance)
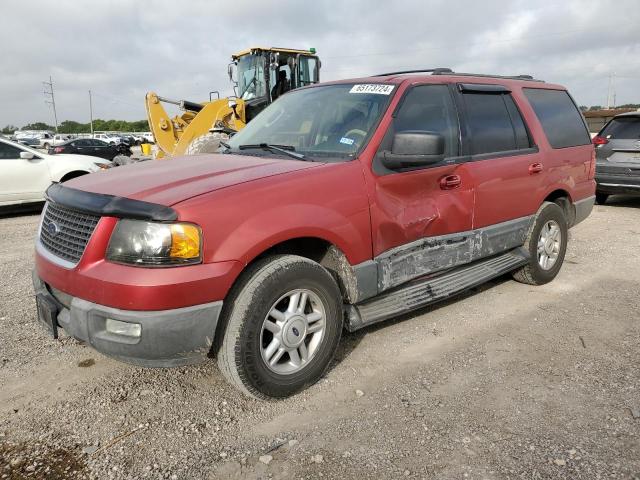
(66, 232)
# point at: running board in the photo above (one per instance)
(422, 292)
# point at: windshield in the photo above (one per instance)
(251, 80)
(327, 121)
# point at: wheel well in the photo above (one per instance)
(563, 199)
(316, 249)
(70, 175)
(326, 254)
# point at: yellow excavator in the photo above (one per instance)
(259, 75)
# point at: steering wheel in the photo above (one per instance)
(357, 132)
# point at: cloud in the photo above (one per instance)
(122, 49)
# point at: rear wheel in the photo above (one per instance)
(207, 143)
(547, 245)
(283, 327)
(601, 198)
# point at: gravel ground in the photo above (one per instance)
(507, 381)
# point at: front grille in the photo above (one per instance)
(66, 232)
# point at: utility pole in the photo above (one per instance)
(91, 113)
(611, 91)
(52, 102)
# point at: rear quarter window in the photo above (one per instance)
(560, 118)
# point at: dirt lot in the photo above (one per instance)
(508, 381)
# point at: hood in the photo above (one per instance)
(172, 180)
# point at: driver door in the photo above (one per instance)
(422, 218)
(22, 180)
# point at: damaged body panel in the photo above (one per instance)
(434, 254)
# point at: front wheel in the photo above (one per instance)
(547, 245)
(601, 198)
(283, 327)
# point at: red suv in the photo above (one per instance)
(341, 205)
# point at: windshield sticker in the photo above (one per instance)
(378, 88)
(347, 141)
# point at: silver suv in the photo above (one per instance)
(618, 157)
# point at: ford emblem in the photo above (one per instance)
(53, 229)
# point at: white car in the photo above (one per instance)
(25, 173)
(108, 137)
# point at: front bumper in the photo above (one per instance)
(168, 338)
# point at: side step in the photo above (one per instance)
(422, 292)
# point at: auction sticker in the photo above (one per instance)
(378, 88)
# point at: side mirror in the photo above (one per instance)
(26, 155)
(414, 148)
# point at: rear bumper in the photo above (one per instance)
(583, 209)
(617, 179)
(616, 184)
(168, 338)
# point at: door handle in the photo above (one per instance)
(535, 168)
(449, 182)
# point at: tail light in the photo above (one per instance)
(592, 166)
(58, 150)
(598, 140)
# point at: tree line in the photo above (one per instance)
(592, 108)
(69, 126)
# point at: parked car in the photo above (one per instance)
(339, 206)
(46, 140)
(147, 137)
(59, 139)
(25, 173)
(109, 138)
(618, 157)
(92, 147)
(29, 141)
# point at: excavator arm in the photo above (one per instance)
(174, 135)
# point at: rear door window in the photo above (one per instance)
(560, 118)
(495, 124)
(622, 128)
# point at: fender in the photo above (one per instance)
(283, 223)
(242, 221)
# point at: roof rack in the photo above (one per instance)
(448, 71)
(433, 71)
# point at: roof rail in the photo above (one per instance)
(486, 75)
(448, 71)
(434, 71)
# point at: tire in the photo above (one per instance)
(533, 273)
(207, 143)
(265, 287)
(601, 198)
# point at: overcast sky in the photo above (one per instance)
(121, 49)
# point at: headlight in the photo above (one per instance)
(137, 242)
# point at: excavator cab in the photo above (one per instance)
(260, 75)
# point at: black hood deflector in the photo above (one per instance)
(109, 205)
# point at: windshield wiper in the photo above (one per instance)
(286, 149)
(225, 145)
